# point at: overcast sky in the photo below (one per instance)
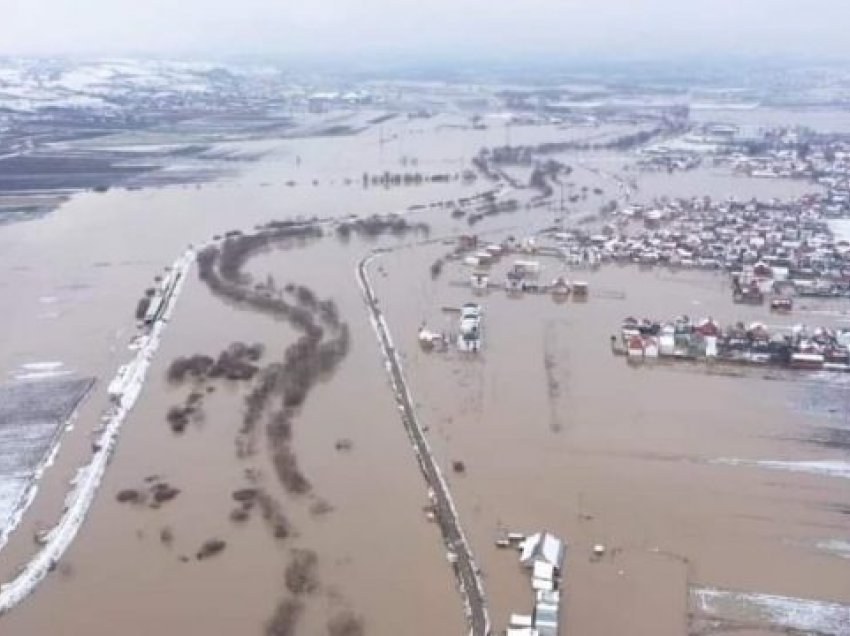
(570, 29)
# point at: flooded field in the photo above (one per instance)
(32, 415)
(686, 472)
(555, 432)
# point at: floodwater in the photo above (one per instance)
(557, 433)
(585, 445)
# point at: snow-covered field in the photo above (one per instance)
(775, 612)
(32, 417)
(28, 85)
(826, 468)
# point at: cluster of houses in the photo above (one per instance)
(789, 153)
(663, 159)
(542, 554)
(781, 278)
(768, 153)
(771, 241)
(799, 347)
(483, 255)
(524, 273)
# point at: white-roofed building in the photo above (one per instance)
(521, 620)
(544, 547)
(543, 570)
(543, 554)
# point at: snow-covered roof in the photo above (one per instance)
(542, 584)
(520, 620)
(542, 547)
(544, 570)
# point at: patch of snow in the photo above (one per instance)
(814, 616)
(41, 370)
(17, 491)
(42, 366)
(40, 375)
(835, 546)
(827, 468)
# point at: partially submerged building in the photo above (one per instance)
(544, 548)
(798, 347)
(469, 336)
(543, 554)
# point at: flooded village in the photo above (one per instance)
(395, 357)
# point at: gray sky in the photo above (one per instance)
(428, 28)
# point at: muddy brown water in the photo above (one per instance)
(376, 532)
(616, 455)
(621, 454)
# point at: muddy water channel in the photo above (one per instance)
(554, 431)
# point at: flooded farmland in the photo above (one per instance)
(568, 437)
(688, 473)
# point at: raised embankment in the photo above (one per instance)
(130, 380)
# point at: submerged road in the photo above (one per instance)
(460, 553)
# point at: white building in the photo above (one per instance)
(543, 547)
